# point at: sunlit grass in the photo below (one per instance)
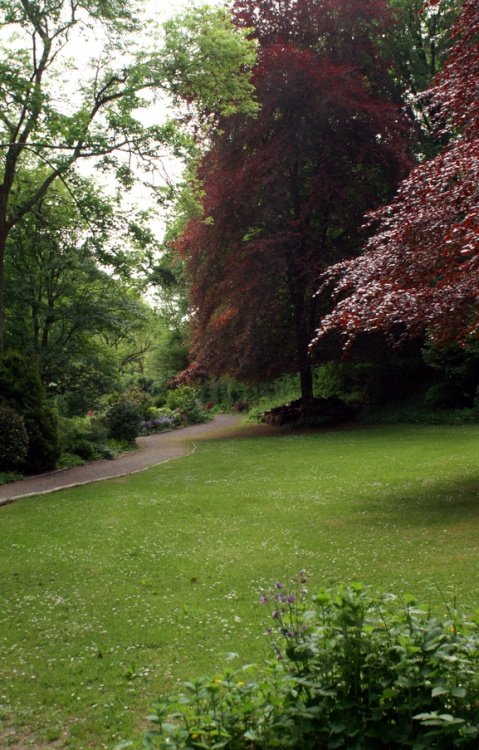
(112, 592)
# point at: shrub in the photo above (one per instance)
(443, 396)
(351, 671)
(82, 436)
(123, 419)
(184, 400)
(158, 420)
(86, 450)
(43, 448)
(20, 383)
(22, 390)
(13, 440)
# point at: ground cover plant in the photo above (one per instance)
(351, 669)
(113, 592)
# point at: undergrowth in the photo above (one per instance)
(351, 670)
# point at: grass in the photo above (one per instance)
(112, 592)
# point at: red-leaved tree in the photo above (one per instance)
(285, 193)
(420, 270)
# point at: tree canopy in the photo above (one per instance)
(421, 268)
(284, 194)
(57, 111)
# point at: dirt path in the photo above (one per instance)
(154, 449)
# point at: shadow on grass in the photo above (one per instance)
(437, 502)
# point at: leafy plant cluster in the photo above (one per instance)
(34, 438)
(29, 430)
(352, 670)
(185, 403)
(159, 420)
(13, 439)
(128, 415)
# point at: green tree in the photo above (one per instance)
(69, 298)
(418, 44)
(47, 119)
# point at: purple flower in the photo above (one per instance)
(263, 599)
(278, 585)
(276, 614)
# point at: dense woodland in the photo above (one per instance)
(322, 242)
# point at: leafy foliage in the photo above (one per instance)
(13, 440)
(124, 419)
(159, 420)
(418, 44)
(353, 671)
(84, 437)
(186, 402)
(421, 268)
(70, 300)
(21, 389)
(284, 194)
(46, 120)
(220, 87)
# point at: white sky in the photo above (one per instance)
(84, 47)
(170, 169)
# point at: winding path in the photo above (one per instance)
(154, 449)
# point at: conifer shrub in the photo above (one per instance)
(350, 670)
(21, 389)
(13, 440)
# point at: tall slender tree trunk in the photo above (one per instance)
(305, 376)
(302, 330)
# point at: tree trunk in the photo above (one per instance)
(298, 294)
(306, 382)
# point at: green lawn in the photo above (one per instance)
(111, 593)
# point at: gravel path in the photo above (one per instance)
(154, 449)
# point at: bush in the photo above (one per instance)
(123, 419)
(351, 671)
(443, 396)
(22, 391)
(43, 449)
(158, 420)
(185, 402)
(13, 440)
(82, 436)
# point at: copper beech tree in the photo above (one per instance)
(283, 194)
(421, 268)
